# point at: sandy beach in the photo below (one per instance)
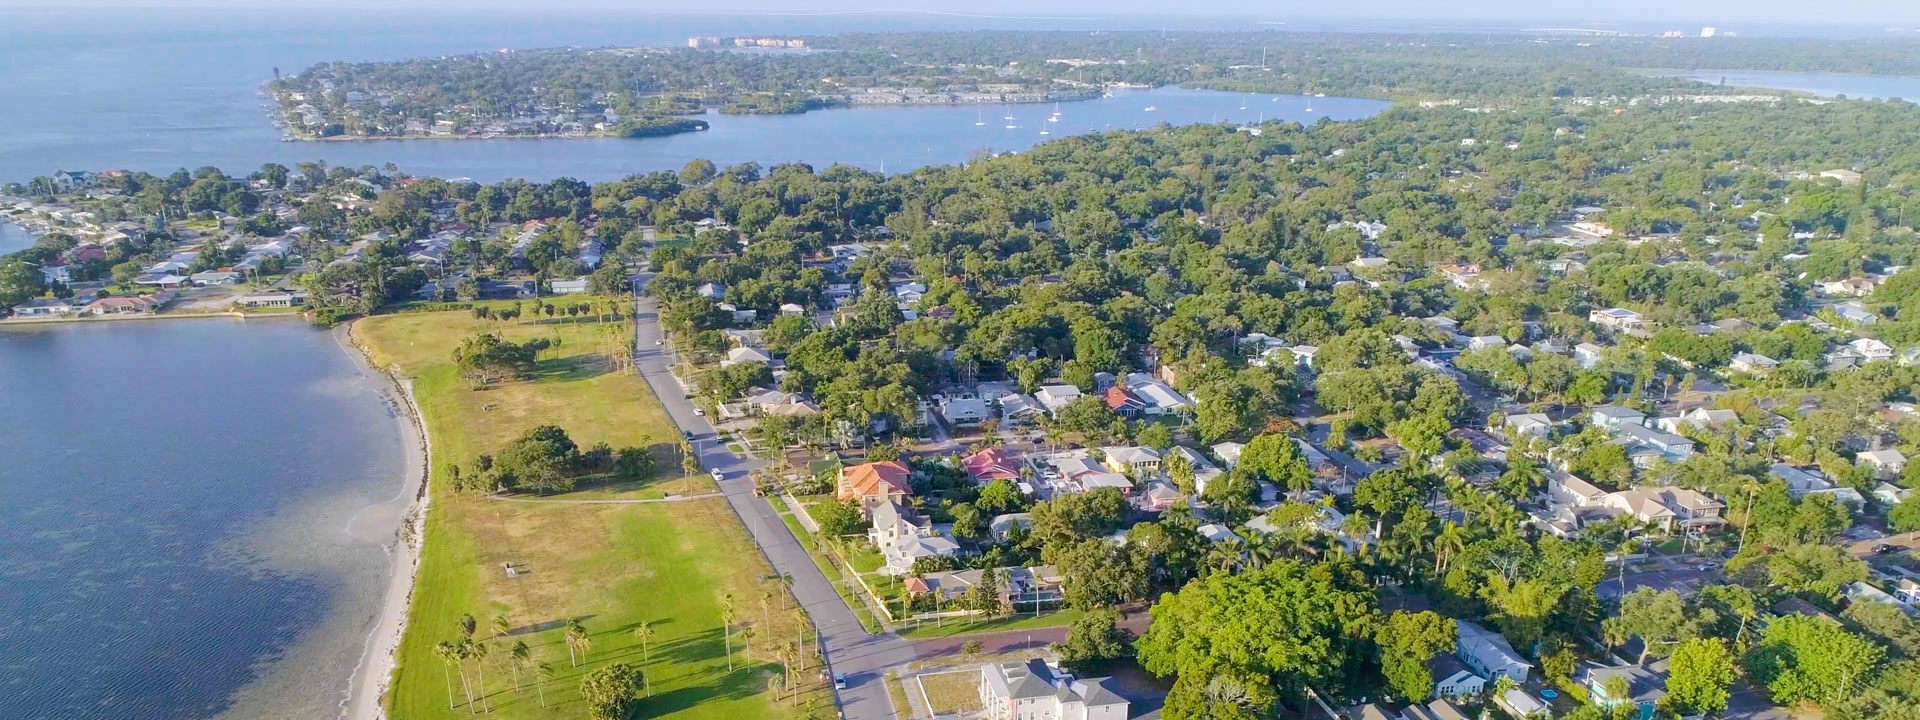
(367, 686)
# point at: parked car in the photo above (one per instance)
(717, 475)
(1883, 549)
(700, 412)
(840, 682)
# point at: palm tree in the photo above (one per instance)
(726, 626)
(1450, 541)
(463, 651)
(467, 624)
(480, 652)
(644, 633)
(501, 626)
(448, 656)
(542, 673)
(575, 633)
(517, 657)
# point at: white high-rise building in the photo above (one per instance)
(1709, 31)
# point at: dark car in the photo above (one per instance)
(1883, 549)
(688, 434)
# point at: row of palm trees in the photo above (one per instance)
(457, 655)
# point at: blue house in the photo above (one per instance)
(1644, 687)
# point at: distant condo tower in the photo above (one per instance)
(1709, 32)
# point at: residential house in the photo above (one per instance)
(214, 278)
(1644, 687)
(1885, 463)
(1855, 313)
(128, 304)
(1001, 527)
(1079, 474)
(1667, 507)
(1522, 705)
(1055, 397)
(1529, 424)
(1890, 495)
(904, 537)
(271, 300)
(1699, 418)
(1487, 654)
(1871, 350)
(1132, 460)
(1229, 453)
(1482, 342)
(576, 286)
(1619, 319)
(1850, 287)
(1033, 691)
(44, 307)
(965, 411)
(1753, 364)
(710, 291)
(743, 354)
(875, 482)
(1123, 402)
(1017, 409)
(1614, 417)
(1465, 277)
(1024, 586)
(1304, 354)
(989, 465)
(1587, 355)
(1159, 397)
(1452, 679)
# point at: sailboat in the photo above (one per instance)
(979, 118)
(1151, 108)
(1056, 113)
(1243, 103)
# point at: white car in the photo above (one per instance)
(840, 682)
(658, 341)
(717, 475)
(700, 412)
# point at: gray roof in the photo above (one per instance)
(1644, 685)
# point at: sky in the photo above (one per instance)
(1725, 12)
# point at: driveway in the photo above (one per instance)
(848, 648)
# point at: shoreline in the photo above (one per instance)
(373, 673)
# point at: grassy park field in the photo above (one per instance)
(611, 567)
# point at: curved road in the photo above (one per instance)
(848, 648)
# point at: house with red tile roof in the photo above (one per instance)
(875, 482)
(989, 465)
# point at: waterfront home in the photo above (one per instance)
(165, 281)
(1487, 653)
(1034, 691)
(128, 304)
(271, 300)
(875, 482)
(45, 307)
(1884, 463)
(1645, 687)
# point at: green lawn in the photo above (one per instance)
(860, 612)
(611, 566)
(965, 626)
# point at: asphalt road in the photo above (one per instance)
(849, 649)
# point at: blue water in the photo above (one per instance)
(158, 91)
(1859, 87)
(173, 504)
(14, 238)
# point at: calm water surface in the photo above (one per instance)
(14, 238)
(160, 91)
(1872, 87)
(176, 499)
